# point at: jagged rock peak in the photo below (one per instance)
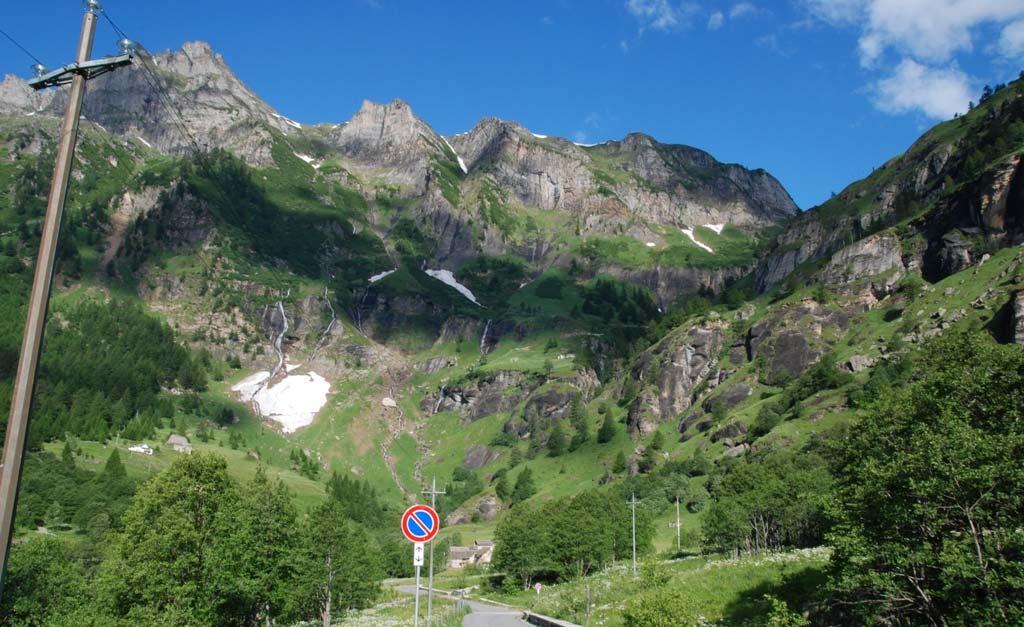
(16, 97)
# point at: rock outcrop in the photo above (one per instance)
(671, 371)
(878, 256)
(634, 178)
(388, 141)
(1018, 318)
(790, 341)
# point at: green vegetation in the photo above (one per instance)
(196, 547)
(566, 539)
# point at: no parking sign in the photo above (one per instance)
(420, 523)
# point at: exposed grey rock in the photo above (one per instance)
(391, 142)
(736, 451)
(477, 457)
(498, 392)
(1018, 317)
(858, 363)
(790, 340)
(729, 431)
(552, 173)
(951, 254)
(870, 257)
(435, 364)
(675, 367)
(729, 398)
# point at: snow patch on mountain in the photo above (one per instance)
(292, 403)
(382, 275)
(462, 164)
(446, 277)
(688, 232)
(717, 228)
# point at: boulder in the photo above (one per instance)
(857, 363)
(477, 457)
(731, 430)
(729, 398)
(736, 451)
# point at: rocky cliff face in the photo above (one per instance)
(389, 141)
(633, 178)
(672, 371)
(213, 104)
(874, 256)
(959, 187)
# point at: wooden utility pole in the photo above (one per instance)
(77, 74)
(633, 502)
(678, 526)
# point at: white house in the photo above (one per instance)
(142, 449)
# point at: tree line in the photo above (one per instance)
(194, 546)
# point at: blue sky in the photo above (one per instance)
(818, 92)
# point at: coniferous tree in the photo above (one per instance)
(556, 441)
(114, 470)
(607, 431)
(619, 465)
(658, 441)
(67, 456)
(525, 487)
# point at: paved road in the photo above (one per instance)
(483, 614)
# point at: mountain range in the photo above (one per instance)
(398, 304)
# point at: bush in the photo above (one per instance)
(668, 606)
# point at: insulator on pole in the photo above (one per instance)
(38, 70)
(127, 46)
(93, 6)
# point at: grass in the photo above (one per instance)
(396, 609)
(726, 590)
(306, 493)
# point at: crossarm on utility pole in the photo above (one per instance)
(87, 69)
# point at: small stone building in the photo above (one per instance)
(480, 552)
(180, 444)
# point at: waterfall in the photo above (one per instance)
(359, 310)
(278, 340)
(440, 398)
(327, 331)
(483, 338)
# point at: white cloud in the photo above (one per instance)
(1011, 42)
(836, 12)
(661, 14)
(938, 93)
(742, 9)
(624, 45)
(716, 20)
(931, 30)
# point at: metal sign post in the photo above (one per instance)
(417, 561)
(420, 524)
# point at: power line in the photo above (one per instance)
(21, 47)
(155, 83)
(116, 28)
